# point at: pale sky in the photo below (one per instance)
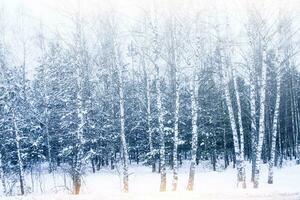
(54, 15)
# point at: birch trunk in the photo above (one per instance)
(274, 128)
(19, 154)
(194, 97)
(253, 122)
(122, 135)
(175, 149)
(261, 132)
(237, 93)
(233, 128)
(163, 176)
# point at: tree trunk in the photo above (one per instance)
(194, 107)
(122, 134)
(76, 183)
(175, 148)
(274, 127)
(253, 122)
(261, 132)
(243, 173)
(238, 156)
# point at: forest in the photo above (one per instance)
(168, 86)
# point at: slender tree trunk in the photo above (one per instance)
(76, 177)
(122, 135)
(261, 132)
(175, 148)
(274, 128)
(194, 107)
(238, 156)
(253, 122)
(243, 173)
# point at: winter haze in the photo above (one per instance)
(149, 99)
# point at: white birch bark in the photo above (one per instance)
(175, 88)
(122, 134)
(175, 148)
(80, 62)
(237, 93)
(253, 121)
(233, 126)
(194, 107)
(261, 131)
(275, 125)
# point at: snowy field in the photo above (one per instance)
(144, 185)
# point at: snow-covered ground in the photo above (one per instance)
(144, 185)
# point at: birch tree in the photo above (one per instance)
(175, 149)
(237, 94)
(261, 131)
(283, 56)
(194, 114)
(122, 131)
(81, 63)
(225, 65)
(275, 119)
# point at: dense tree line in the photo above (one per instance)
(169, 89)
